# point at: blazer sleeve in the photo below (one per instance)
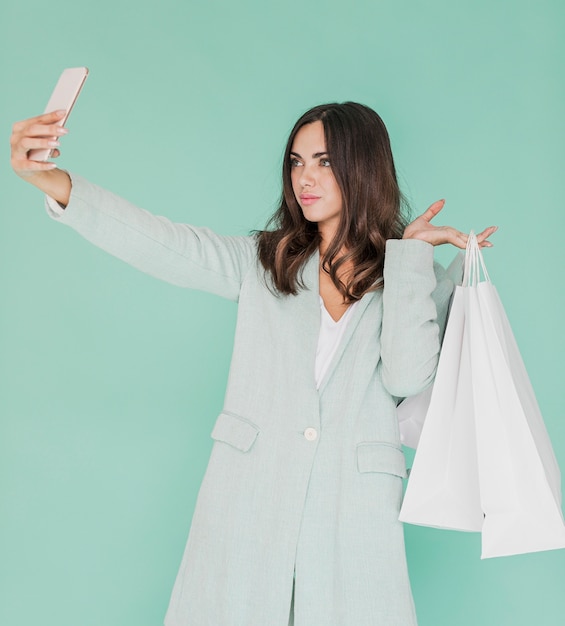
(180, 254)
(416, 297)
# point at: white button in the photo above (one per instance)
(311, 434)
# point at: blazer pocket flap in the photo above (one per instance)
(381, 457)
(235, 431)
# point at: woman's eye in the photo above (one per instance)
(295, 163)
(325, 163)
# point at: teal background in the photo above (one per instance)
(110, 381)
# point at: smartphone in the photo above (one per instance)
(63, 97)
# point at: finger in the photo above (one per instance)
(31, 143)
(433, 210)
(20, 154)
(459, 239)
(43, 130)
(35, 166)
(28, 137)
(462, 237)
(55, 153)
(45, 118)
(448, 234)
(486, 233)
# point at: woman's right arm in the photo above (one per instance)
(180, 254)
(39, 132)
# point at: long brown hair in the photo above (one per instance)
(361, 158)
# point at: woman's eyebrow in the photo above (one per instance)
(316, 155)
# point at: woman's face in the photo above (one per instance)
(313, 182)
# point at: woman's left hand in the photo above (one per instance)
(422, 228)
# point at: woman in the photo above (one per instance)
(340, 313)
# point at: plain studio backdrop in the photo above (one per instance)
(110, 381)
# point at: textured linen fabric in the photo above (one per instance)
(302, 483)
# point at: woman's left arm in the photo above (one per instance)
(416, 298)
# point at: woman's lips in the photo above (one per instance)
(308, 198)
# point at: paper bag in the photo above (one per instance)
(484, 460)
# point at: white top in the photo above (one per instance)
(329, 339)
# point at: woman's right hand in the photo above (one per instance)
(42, 131)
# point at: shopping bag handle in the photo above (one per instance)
(474, 263)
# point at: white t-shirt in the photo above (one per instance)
(331, 333)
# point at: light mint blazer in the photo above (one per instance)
(301, 482)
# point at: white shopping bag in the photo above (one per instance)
(484, 460)
(412, 411)
(443, 489)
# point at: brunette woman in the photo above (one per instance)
(341, 310)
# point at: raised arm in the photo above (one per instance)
(177, 253)
(416, 298)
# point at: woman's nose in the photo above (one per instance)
(307, 177)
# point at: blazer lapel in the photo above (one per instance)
(351, 326)
(306, 320)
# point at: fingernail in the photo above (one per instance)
(54, 144)
(62, 130)
(60, 112)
